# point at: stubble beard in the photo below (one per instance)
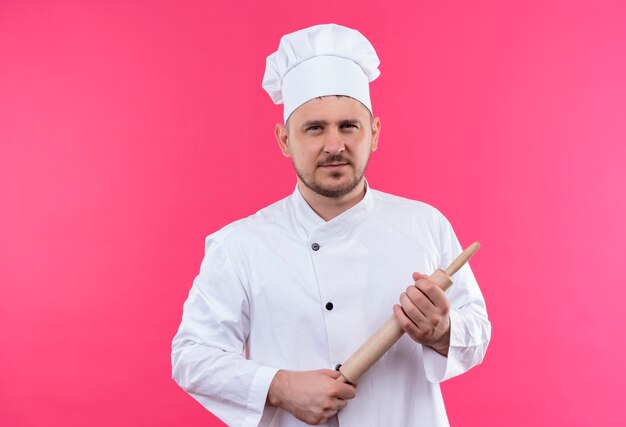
(334, 192)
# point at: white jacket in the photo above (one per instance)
(259, 305)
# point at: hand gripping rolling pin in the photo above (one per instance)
(390, 331)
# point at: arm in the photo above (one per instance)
(311, 396)
(424, 314)
(208, 355)
(452, 327)
(207, 352)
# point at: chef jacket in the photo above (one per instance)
(284, 289)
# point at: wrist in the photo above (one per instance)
(274, 392)
(442, 345)
(441, 349)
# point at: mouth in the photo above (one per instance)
(334, 165)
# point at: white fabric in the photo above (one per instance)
(317, 61)
(261, 287)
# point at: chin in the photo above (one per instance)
(336, 190)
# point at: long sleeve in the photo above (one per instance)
(260, 302)
(470, 329)
(208, 350)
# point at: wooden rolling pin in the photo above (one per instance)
(390, 331)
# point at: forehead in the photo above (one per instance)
(330, 108)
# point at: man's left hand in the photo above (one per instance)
(424, 314)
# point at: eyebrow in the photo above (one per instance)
(350, 122)
(310, 123)
(323, 123)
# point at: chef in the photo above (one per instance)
(286, 295)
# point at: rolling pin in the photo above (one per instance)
(390, 332)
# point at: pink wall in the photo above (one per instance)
(130, 130)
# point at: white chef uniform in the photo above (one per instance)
(284, 289)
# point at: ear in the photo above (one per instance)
(282, 136)
(375, 133)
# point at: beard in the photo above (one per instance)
(333, 191)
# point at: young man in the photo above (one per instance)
(285, 296)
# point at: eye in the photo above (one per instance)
(313, 129)
(349, 126)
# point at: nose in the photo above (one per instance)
(333, 143)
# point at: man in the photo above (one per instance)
(285, 296)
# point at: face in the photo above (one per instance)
(329, 140)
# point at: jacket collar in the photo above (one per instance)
(311, 222)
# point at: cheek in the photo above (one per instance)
(308, 153)
(303, 156)
(364, 150)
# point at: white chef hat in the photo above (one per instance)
(318, 61)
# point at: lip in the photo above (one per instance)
(334, 165)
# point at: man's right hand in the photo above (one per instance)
(310, 396)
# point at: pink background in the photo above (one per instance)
(129, 130)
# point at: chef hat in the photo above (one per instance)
(322, 60)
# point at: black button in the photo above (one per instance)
(329, 306)
(315, 246)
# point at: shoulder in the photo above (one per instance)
(396, 207)
(238, 245)
(424, 225)
(263, 221)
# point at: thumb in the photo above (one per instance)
(337, 374)
(417, 276)
(330, 373)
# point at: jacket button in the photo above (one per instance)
(329, 306)
(315, 246)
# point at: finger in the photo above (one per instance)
(421, 302)
(417, 276)
(331, 412)
(345, 392)
(340, 404)
(434, 313)
(432, 292)
(411, 305)
(405, 323)
(331, 373)
(327, 416)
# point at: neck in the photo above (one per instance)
(328, 208)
